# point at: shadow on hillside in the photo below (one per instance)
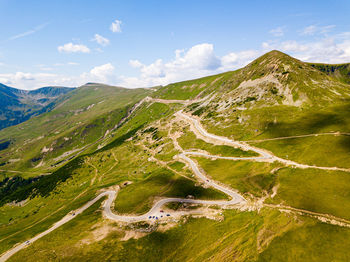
(307, 124)
(335, 119)
(19, 189)
(345, 143)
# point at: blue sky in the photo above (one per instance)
(147, 43)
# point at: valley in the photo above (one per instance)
(237, 166)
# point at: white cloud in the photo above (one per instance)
(326, 50)
(102, 70)
(279, 31)
(237, 60)
(199, 60)
(314, 29)
(116, 26)
(135, 63)
(27, 80)
(103, 73)
(72, 48)
(101, 40)
(4, 81)
(24, 76)
(199, 56)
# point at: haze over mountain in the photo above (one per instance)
(17, 106)
(246, 165)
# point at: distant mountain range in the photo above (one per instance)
(275, 131)
(17, 106)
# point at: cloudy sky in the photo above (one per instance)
(148, 43)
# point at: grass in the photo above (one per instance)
(315, 190)
(68, 247)
(114, 164)
(245, 176)
(322, 150)
(138, 197)
(34, 219)
(188, 141)
(176, 244)
(237, 238)
(190, 89)
(178, 166)
(14, 219)
(267, 235)
(315, 242)
(338, 71)
(71, 125)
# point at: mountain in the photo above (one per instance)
(78, 119)
(247, 165)
(339, 71)
(17, 106)
(274, 78)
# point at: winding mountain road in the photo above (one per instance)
(155, 211)
(265, 156)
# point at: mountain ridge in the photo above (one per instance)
(276, 132)
(17, 105)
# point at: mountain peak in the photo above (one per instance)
(277, 58)
(276, 53)
(273, 62)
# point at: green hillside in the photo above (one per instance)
(80, 119)
(135, 142)
(339, 71)
(17, 106)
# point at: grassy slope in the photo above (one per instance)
(319, 150)
(162, 183)
(339, 71)
(84, 115)
(318, 242)
(188, 141)
(312, 150)
(192, 88)
(315, 190)
(111, 165)
(245, 176)
(241, 236)
(17, 106)
(235, 238)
